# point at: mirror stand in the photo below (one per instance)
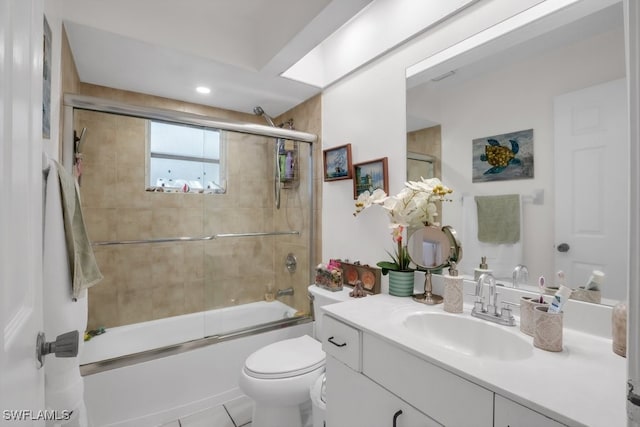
(428, 297)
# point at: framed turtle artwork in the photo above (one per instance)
(503, 157)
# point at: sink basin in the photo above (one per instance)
(469, 336)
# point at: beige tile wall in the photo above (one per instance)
(307, 117)
(428, 141)
(146, 282)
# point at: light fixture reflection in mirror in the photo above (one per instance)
(433, 248)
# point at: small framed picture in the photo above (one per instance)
(337, 163)
(370, 277)
(369, 176)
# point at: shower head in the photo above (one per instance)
(258, 111)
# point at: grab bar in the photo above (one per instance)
(192, 239)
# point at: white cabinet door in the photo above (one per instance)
(511, 414)
(355, 401)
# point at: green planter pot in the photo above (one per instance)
(401, 283)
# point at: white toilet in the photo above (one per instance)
(279, 376)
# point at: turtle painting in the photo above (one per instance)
(503, 157)
(499, 157)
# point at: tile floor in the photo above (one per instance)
(236, 413)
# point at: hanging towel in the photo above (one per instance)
(501, 258)
(499, 219)
(82, 261)
(63, 384)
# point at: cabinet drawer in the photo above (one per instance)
(511, 414)
(432, 390)
(341, 341)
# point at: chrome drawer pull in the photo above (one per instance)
(395, 417)
(335, 343)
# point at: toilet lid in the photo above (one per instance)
(285, 359)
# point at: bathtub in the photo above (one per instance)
(140, 337)
(161, 389)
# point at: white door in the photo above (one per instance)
(592, 183)
(21, 193)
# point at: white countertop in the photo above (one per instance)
(585, 384)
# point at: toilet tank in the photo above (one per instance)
(322, 297)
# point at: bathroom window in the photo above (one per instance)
(185, 158)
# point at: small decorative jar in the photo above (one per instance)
(527, 305)
(547, 334)
(587, 295)
(619, 329)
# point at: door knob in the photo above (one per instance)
(65, 345)
(563, 247)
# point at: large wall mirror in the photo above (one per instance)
(563, 77)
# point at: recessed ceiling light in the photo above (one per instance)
(203, 89)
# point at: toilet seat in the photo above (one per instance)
(285, 359)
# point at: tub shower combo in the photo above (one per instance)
(202, 227)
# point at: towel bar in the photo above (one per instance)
(192, 239)
(536, 197)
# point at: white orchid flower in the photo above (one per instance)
(413, 206)
(366, 199)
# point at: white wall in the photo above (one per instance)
(367, 109)
(516, 96)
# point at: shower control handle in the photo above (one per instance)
(291, 263)
(330, 339)
(563, 247)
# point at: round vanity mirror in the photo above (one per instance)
(433, 248)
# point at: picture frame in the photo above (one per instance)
(46, 80)
(369, 176)
(337, 163)
(370, 277)
(507, 156)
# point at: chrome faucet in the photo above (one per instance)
(282, 292)
(491, 312)
(520, 270)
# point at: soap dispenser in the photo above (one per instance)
(482, 269)
(453, 290)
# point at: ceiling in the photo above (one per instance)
(532, 40)
(237, 48)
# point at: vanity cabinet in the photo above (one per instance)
(372, 382)
(433, 390)
(369, 380)
(511, 414)
(356, 401)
